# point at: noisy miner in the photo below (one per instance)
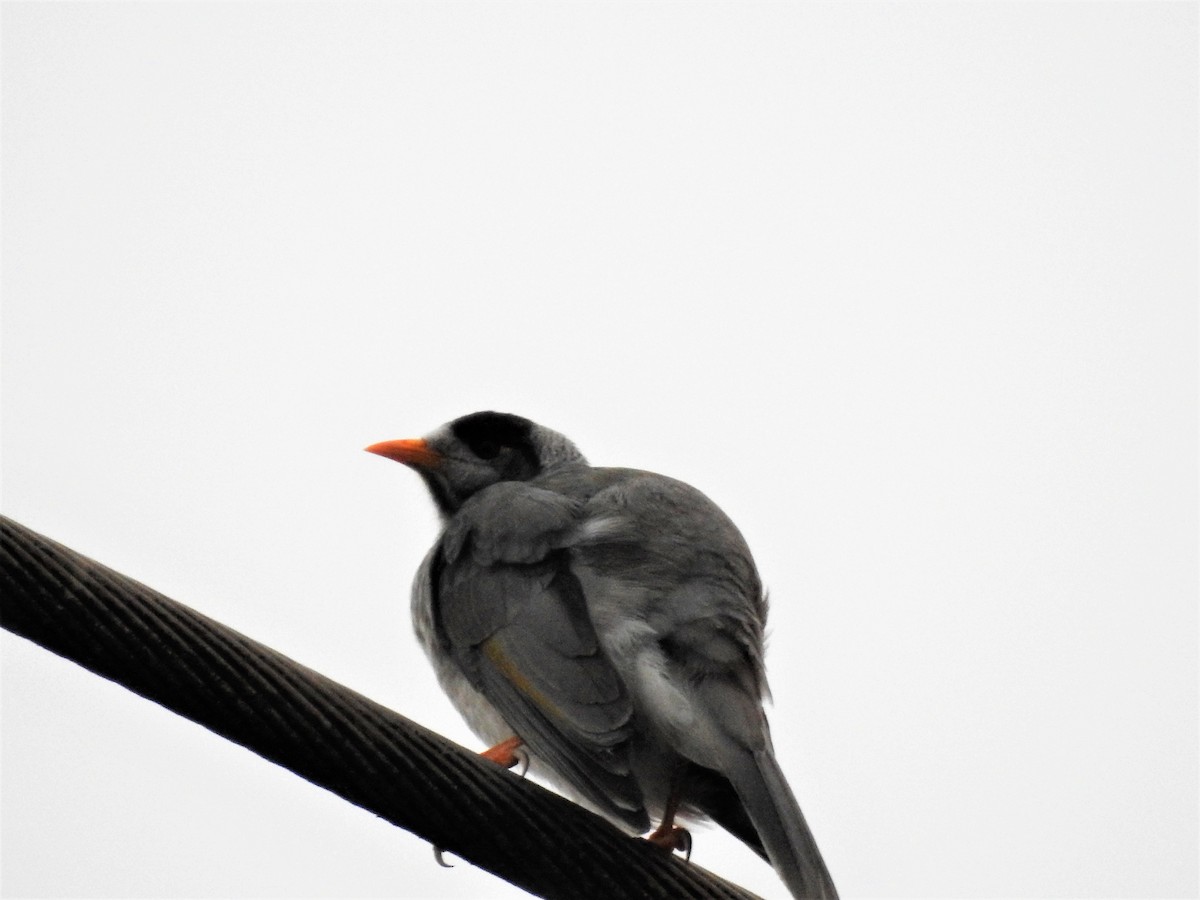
(607, 623)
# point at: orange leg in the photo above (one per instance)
(668, 835)
(504, 753)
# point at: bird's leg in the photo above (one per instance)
(668, 835)
(505, 753)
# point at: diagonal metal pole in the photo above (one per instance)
(325, 732)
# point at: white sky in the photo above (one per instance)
(908, 289)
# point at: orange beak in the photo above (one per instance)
(415, 452)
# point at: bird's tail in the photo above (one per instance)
(776, 815)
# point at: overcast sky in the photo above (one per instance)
(910, 290)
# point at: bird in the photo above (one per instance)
(606, 626)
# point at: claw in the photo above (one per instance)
(672, 838)
(523, 758)
(505, 753)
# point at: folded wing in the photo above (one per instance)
(513, 618)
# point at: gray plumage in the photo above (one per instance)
(612, 619)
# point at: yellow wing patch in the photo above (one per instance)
(491, 649)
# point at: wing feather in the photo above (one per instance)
(514, 619)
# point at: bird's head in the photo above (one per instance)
(466, 455)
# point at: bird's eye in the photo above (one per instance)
(487, 449)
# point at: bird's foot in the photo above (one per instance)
(672, 838)
(508, 753)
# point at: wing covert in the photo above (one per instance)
(521, 633)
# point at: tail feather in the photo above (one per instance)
(790, 845)
(710, 793)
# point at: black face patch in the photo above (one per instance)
(486, 434)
